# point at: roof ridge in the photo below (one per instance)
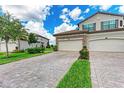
(101, 12)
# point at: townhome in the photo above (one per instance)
(101, 31)
(13, 45)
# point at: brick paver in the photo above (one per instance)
(40, 71)
(107, 69)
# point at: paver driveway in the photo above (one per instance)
(107, 69)
(41, 71)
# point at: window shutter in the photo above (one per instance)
(116, 25)
(101, 25)
(121, 23)
(94, 26)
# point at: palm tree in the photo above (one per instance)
(6, 29)
(20, 32)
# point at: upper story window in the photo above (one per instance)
(90, 27)
(111, 24)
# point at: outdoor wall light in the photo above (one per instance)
(106, 37)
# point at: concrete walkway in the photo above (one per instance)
(107, 69)
(41, 71)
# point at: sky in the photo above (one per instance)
(47, 20)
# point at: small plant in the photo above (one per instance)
(42, 49)
(18, 51)
(48, 45)
(84, 53)
(51, 46)
(34, 50)
(55, 48)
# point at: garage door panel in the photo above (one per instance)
(74, 45)
(107, 45)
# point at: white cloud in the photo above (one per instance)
(105, 7)
(121, 9)
(35, 15)
(75, 14)
(68, 15)
(64, 27)
(64, 18)
(65, 10)
(87, 10)
(93, 6)
(38, 28)
(28, 12)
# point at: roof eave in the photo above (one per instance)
(100, 13)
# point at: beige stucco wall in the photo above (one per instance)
(23, 45)
(109, 41)
(117, 34)
(98, 18)
(43, 40)
(11, 46)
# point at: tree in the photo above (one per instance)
(6, 29)
(32, 38)
(20, 32)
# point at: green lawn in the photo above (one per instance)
(18, 56)
(78, 76)
(2, 53)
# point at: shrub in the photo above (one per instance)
(42, 49)
(18, 51)
(48, 46)
(84, 53)
(34, 50)
(55, 48)
(51, 46)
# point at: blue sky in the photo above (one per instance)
(47, 20)
(54, 20)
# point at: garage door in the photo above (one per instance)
(107, 45)
(75, 45)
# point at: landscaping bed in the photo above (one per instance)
(18, 56)
(78, 76)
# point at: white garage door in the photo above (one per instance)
(75, 45)
(107, 45)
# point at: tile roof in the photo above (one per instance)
(85, 31)
(70, 32)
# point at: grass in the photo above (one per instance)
(78, 76)
(19, 56)
(2, 53)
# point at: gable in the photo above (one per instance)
(100, 17)
(102, 13)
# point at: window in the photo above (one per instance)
(90, 27)
(111, 24)
(121, 23)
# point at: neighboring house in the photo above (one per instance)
(99, 32)
(12, 45)
(42, 41)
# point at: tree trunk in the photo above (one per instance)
(18, 44)
(7, 52)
